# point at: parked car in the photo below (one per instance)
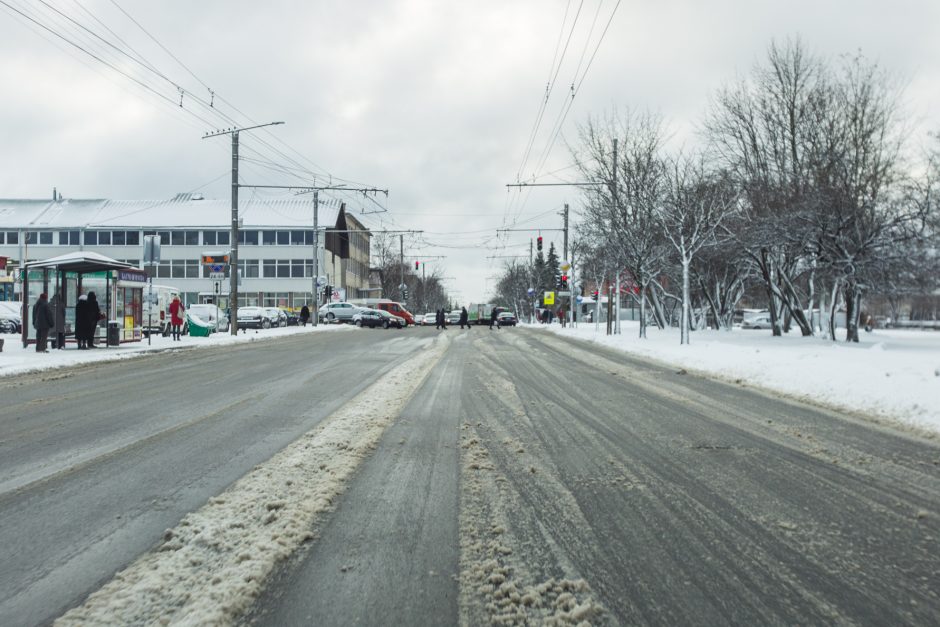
(391, 320)
(453, 317)
(366, 317)
(337, 312)
(274, 315)
(293, 318)
(10, 321)
(757, 322)
(506, 319)
(429, 318)
(253, 318)
(209, 314)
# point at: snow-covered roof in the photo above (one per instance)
(80, 261)
(184, 210)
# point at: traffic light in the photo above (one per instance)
(594, 294)
(539, 242)
(404, 294)
(564, 281)
(417, 263)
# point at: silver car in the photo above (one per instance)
(338, 312)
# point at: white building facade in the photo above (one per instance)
(275, 252)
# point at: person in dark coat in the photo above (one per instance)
(43, 320)
(464, 317)
(58, 303)
(304, 315)
(493, 322)
(92, 315)
(437, 319)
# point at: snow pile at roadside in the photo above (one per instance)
(14, 359)
(892, 374)
(210, 568)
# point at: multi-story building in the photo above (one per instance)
(275, 252)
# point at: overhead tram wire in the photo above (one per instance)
(550, 85)
(575, 90)
(143, 62)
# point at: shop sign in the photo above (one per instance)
(135, 276)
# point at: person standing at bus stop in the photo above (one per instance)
(177, 311)
(43, 320)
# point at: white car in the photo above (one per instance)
(429, 318)
(757, 322)
(209, 314)
(337, 312)
(277, 317)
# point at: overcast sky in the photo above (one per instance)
(432, 99)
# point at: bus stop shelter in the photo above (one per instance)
(66, 275)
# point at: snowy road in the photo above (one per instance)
(526, 478)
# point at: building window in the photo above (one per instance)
(222, 238)
(192, 238)
(68, 238)
(176, 238)
(268, 238)
(308, 238)
(297, 268)
(270, 268)
(250, 268)
(132, 238)
(192, 268)
(179, 268)
(31, 237)
(208, 238)
(163, 270)
(283, 238)
(13, 237)
(283, 268)
(276, 299)
(296, 238)
(118, 238)
(45, 238)
(104, 238)
(249, 238)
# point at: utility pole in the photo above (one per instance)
(616, 326)
(316, 260)
(565, 214)
(233, 257)
(401, 252)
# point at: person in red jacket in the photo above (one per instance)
(177, 311)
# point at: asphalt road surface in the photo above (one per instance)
(529, 479)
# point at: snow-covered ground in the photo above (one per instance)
(14, 359)
(891, 374)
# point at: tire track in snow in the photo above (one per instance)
(211, 567)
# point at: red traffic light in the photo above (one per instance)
(416, 264)
(539, 242)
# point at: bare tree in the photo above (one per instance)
(624, 204)
(696, 204)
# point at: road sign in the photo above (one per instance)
(216, 268)
(216, 275)
(321, 281)
(549, 298)
(560, 294)
(564, 266)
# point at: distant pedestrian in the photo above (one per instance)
(43, 320)
(494, 322)
(177, 311)
(92, 316)
(59, 307)
(464, 317)
(304, 315)
(437, 319)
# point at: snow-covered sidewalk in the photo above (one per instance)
(14, 359)
(891, 374)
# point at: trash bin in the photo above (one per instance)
(198, 327)
(114, 333)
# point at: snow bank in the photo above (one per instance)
(890, 374)
(210, 568)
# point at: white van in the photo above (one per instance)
(156, 312)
